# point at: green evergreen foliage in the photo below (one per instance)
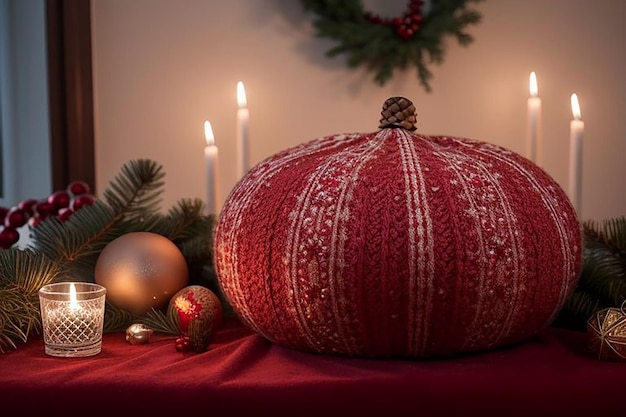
(602, 282)
(379, 48)
(68, 251)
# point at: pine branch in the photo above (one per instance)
(602, 282)
(118, 320)
(22, 274)
(136, 191)
(61, 251)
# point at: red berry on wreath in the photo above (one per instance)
(15, 218)
(415, 5)
(28, 206)
(59, 199)
(78, 188)
(34, 221)
(3, 213)
(43, 209)
(64, 213)
(82, 200)
(8, 237)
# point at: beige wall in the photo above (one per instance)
(161, 67)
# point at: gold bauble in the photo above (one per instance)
(138, 334)
(141, 270)
(607, 334)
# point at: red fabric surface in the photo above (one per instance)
(244, 374)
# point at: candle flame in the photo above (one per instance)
(208, 133)
(575, 107)
(73, 302)
(241, 95)
(533, 84)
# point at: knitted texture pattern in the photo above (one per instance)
(394, 244)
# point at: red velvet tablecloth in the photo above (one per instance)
(243, 374)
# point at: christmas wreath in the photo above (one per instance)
(383, 44)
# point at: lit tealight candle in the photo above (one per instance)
(243, 117)
(533, 140)
(210, 161)
(577, 128)
(74, 306)
(72, 317)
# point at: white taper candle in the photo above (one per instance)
(577, 128)
(211, 165)
(243, 118)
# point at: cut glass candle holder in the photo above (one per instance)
(72, 315)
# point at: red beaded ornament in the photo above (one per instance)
(396, 244)
(61, 203)
(407, 25)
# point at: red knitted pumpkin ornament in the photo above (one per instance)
(394, 244)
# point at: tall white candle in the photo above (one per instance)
(243, 118)
(210, 162)
(533, 135)
(577, 128)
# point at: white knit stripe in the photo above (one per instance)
(340, 238)
(455, 161)
(421, 245)
(505, 213)
(412, 259)
(516, 251)
(517, 255)
(427, 267)
(294, 236)
(238, 203)
(344, 162)
(551, 204)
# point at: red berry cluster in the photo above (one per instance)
(182, 344)
(405, 26)
(61, 203)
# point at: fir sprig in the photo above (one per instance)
(602, 282)
(117, 319)
(22, 274)
(379, 49)
(61, 251)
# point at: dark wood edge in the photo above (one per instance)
(68, 30)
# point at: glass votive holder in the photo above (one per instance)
(72, 315)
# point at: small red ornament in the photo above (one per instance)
(78, 188)
(8, 237)
(15, 218)
(59, 199)
(28, 206)
(44, 208)
(64, 213)
(199, 312)
(81, 200)
(3, 213)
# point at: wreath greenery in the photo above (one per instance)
(385, 44)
